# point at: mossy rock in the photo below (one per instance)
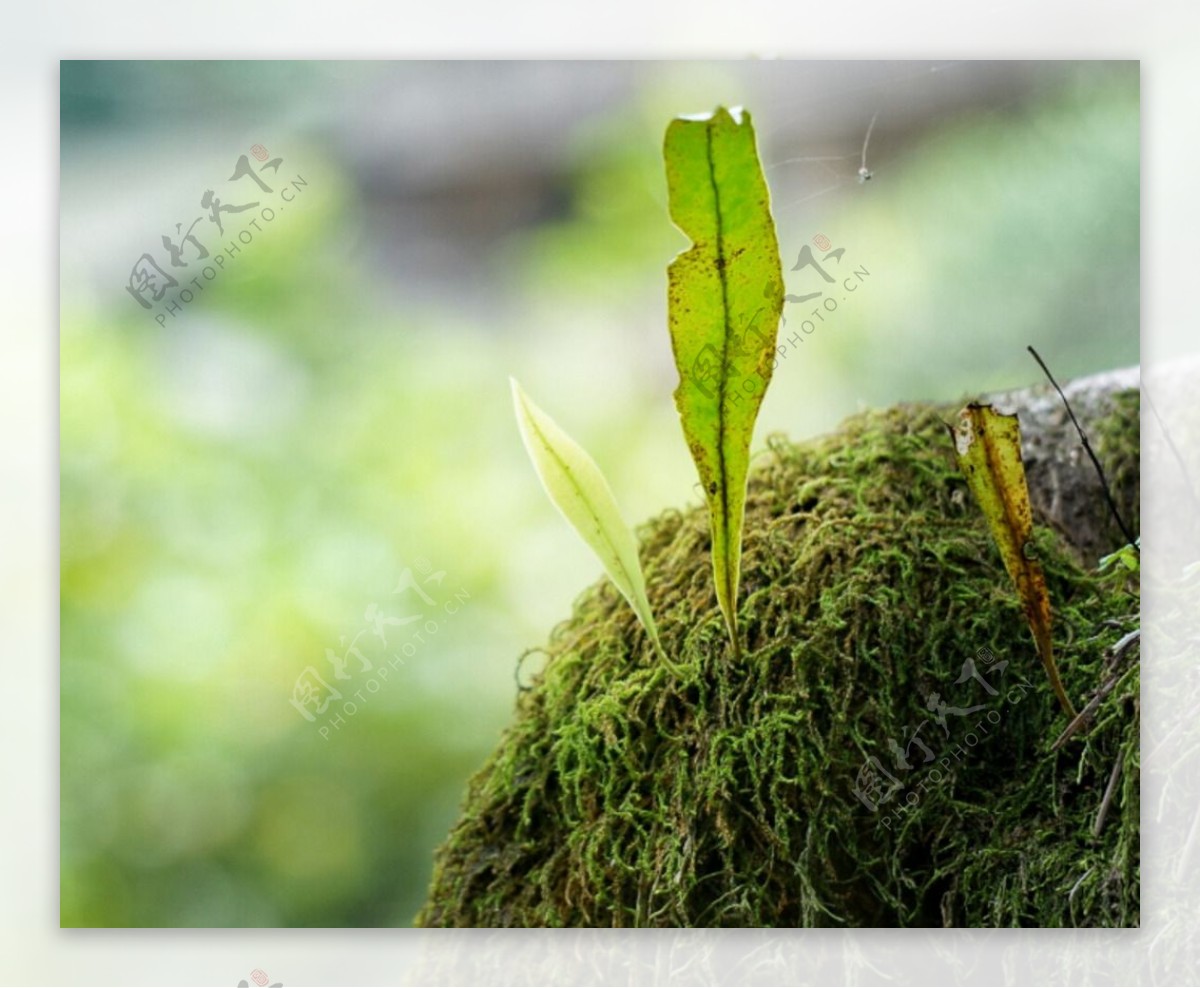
(723, 792)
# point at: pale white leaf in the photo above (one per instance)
(578, 489)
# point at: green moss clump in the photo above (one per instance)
(723, 794)
(1117, 441)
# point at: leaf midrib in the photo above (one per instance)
(724, 478)
(584, 500)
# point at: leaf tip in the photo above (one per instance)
(521, 402)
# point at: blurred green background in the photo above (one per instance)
(244, 487)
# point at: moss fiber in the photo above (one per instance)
(721, 792)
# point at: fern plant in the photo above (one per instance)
(725, 295)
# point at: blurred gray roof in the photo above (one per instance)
(450, 157)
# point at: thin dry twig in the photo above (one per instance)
(1108, 794)
(1081, 719)
(1112, 507)
(1085, 715)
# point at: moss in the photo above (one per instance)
(723, 793)
(1117, 438)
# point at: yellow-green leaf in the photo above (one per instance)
(725, 296)
(988, 446)
(582, 495)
